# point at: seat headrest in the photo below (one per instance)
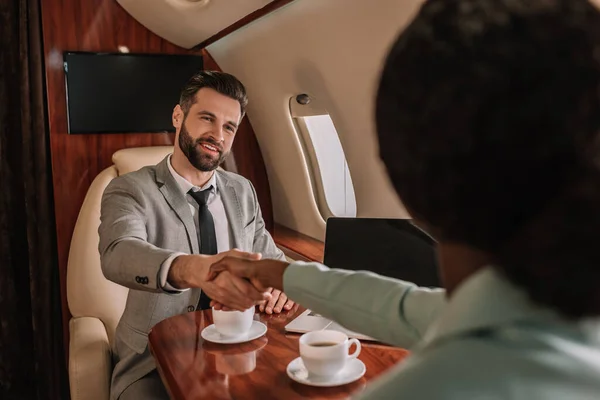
(134, 158)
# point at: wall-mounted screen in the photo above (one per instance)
(123, 93)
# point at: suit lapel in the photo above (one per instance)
(232, 207)
(172, 193)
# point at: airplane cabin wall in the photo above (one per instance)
(333, 50)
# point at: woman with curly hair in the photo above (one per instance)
(488, 119)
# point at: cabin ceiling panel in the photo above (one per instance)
(334, 50)
(189, 22)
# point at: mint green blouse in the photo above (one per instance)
(488, 341)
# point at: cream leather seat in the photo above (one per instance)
(95, 303)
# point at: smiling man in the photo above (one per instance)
(163, 226)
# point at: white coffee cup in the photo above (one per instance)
(233, 323)
(325, 353)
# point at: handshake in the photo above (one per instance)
(234, 280)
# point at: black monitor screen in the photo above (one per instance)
(390, 247)
(121, 93)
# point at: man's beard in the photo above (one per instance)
(199, 159)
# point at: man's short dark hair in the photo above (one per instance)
(224, 83)
(488, 116)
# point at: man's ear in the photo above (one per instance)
(177, 117)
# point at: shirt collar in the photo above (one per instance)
(186, 185)
(485, 300)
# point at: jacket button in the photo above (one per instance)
(190, 308)
(137, 279)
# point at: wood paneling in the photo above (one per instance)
(309, 248)
(293, 255)
(194, 368)
(272, 6)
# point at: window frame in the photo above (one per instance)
(299, 112)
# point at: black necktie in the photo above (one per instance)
(206, 234)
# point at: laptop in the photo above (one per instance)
(391, 247)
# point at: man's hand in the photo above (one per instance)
(192, 271)
(279, 302)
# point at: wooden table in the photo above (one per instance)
(193, 368)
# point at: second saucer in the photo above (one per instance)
(354, 370)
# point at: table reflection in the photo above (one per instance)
(234, 360)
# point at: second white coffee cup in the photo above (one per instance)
(325, 353)
(233, 323)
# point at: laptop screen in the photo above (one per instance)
(390, 247)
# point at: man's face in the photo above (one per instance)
(206, 133)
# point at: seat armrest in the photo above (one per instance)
(90, 359)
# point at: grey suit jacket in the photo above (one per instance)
(145, 218)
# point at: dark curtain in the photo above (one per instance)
(32, 357)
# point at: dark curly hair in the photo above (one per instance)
(488, 116)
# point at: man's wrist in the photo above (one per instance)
(164, 272)
(184, 272)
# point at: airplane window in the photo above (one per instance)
(325, 156)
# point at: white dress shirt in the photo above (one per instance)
(216, 208)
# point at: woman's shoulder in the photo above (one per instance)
(483, 368)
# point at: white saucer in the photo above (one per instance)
(353, 370)
(257, 329)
